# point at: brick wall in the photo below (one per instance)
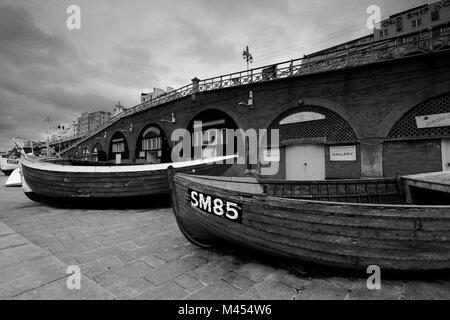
(370, 98)
(411, 157)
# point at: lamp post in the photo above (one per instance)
(247, 57)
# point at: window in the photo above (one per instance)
(416, 23)
(435, 15)
(381, 34)
(151, 144)
(118, 147)
(386, 33)
(399, 25)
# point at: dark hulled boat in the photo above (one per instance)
(351, 224)
(68, 182)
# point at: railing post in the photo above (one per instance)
(195, 88)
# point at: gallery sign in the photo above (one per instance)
(345, 153)
(433, 121)
(302, 117)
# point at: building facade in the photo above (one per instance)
(154, 94)
(416, 20)
(90, 121)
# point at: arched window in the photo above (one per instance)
(98, 154)
(118, 148)
(152, 146)
(208, 132)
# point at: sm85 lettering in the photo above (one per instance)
(216, 206)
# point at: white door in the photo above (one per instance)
(446, 154)
(118, 158)
(305, 162)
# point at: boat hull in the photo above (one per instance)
(7, 166)
(103, 189)
(393, 237)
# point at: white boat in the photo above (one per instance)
(15, 179)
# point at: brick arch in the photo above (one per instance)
(165, 144)
(326, 104)
(233, 115)
(410, 102)
(101, 153)
(406, 127)
(333, 128)
(118, 135)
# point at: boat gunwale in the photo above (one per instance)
(54, 167)
(262, 195)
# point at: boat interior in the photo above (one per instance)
(371, 191)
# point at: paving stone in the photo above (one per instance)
(189, 283)
(126, 272)
(92, 268)
(319, 289)
(153, 261)
(168, 271)
(129, 245)
(270, 289)
(212, 271)
(240, 282)
(285, 277)
(392, 290)
(110, 262)
(168, 291)
(58, 291)
(255, 271)
(415, 290)
(11, 240)
(99, 254)
(216, 290)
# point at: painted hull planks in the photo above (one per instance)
(349, 235)
(52, 182)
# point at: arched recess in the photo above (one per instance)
(411, 124)
(98, 154)
(419, 141)
(152, 145)
(315, 144)
(118, 148)
(312, 123)
(208, 131)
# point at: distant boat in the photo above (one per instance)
(9, 164)
(349, 224)
(14, 179)
(60, 181)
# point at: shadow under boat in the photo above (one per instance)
(349, 224)
(80, 184)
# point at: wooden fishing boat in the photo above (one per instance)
(67, 182)
(350, 224)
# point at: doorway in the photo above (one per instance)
(118, 158)
(305, 163)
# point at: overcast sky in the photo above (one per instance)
(128, 47)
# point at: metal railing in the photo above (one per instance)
(353, 56)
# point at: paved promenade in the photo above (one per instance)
(140, 254)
